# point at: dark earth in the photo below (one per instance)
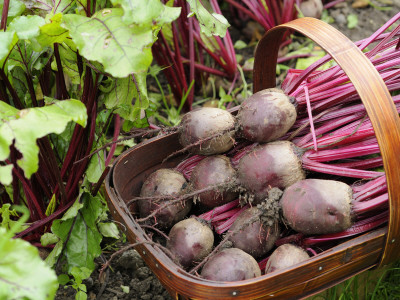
(128, 277)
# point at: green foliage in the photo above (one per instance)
(119, 95)
(352, 21)
(148, 13)
(8, 40)
(96, 167)
(79, 274)
(53, 52)
(122, 49)
(78, 231)
(27, 27)
(77, 236)
(15, 9)
(52, 32)
(6, 218)
(49, 6)
(20, 265)
(374, 284)
(210, 23)
(24, 127)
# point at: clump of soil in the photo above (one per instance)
(128, 277)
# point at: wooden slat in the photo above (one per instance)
(372, 91)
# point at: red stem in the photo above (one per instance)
(248, 12)
(117, 130)
(190, 98)
(61, 88)
(358, 228)
(4, 14)
(340, 171)
(31, 198)
(42, 222)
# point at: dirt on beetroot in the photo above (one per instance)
(128, 277)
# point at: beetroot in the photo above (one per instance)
(316, 206)
(285, 256)
(190, 240)
(274, 164)
(252, 233)
(199, 125)
(312, 8)
(266, 116)
(230, 264)
(164, 182)
(210, 171)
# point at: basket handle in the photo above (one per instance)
(372, 91)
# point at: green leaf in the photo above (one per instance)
(80, 295)
(109, 230)
(120, 96)
(9, 224)
(23, 128)
(7, 111)
(20, 266)
(125, 100)
(80, 273)
(69, 63)
(48, 239)
(352, 21)
(50, 6)
(63, 279)
(15, 8)
(52, 32)
(96, 167)
(6, 174)
(240, 45)
(30, 61)
(303, 63)
(72, 212)
(26, 27)
(51, 206)
(54, 254)
(210, 23)
(61, 141)
(80, 234)
(150, 13)
(7, 42)
(122, 49)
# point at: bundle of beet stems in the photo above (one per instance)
(320, 173)
(336, 138)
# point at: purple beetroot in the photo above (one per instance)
(164, 182)
(190, 240)
(199, 125)
(285, 256)
(266, 116)
(254, 232)
(275, 164)
(230, 264)
(214, 170)
(316, 206)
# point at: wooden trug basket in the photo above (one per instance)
(374, 249)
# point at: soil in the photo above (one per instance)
(129, 277)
